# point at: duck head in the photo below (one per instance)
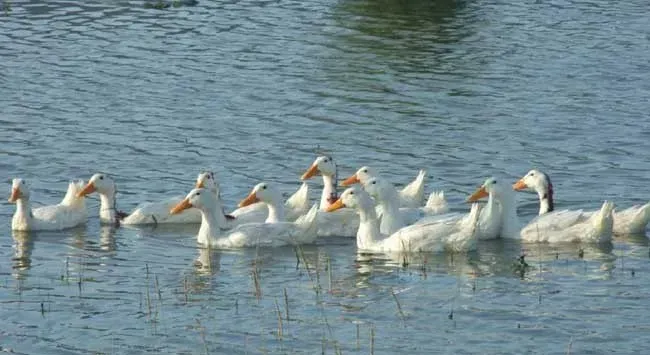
(352, 198)
(490, 186)
(534, 180)
(323, 164)
(100, 183)
(262, 192)
(19, 190)
(207, 180)
(361, 176)
(199, 198)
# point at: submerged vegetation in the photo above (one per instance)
(164, 4)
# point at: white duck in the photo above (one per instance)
(629, 221)
(70, 212)
(489, 221)
(392, 216)
(273, 232)
(412, 195)
(295, 206)
(456, 234)
(145, 213)
(556, 227)
(342, 223)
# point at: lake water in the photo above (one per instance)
(250, 89)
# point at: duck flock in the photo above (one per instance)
(382, 218)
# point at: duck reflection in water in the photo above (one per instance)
(22, 259)
(208, 262)
(107, 238)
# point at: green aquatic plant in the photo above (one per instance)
(399, 307)
(159, 5)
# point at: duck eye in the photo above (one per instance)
(101, 178)
(374, 182)
(351, 192)
(532, 174)
(264, 187)
(494, 181)
(365, 170)
(22, 182)
(198, 193)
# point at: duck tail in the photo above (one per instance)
(71, 199)
(471, 221)
(604, 220)
(416, 187)
(437, 202)
(637, 222)
(467, 236)
(299, 201)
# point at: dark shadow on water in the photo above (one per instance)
(417, 34)
(386, 18)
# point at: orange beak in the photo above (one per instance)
(478, 194)
(351, 180)
(181, 206)
(520, 185)
(15, 195)
(249, 200)
(88, 189)
(199, 185)
(335, 206)
(313, 170)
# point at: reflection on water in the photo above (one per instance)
(500, 258)
(464, 89)
(107, 238)
(208, 262)
(23, 246)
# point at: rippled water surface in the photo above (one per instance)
(464, 89)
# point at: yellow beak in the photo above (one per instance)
(87, 190)
(249, 200)
(181, 206)
(335, 206)
(351, 180)
(519, 185)
(478, 194)
(15, 195)
(313, 170)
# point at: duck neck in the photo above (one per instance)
(219, 214)
(23, 215)
(276, 212)
(509, 218)
(107, 212)
(329, 194)
(545, 199)
(368, 232)
(391, 219)
(210, 227)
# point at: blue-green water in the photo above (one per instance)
(464, 89)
